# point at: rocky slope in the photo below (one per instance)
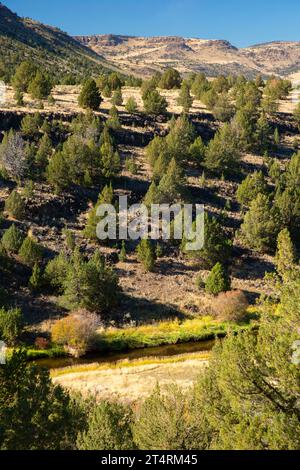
(143, 55)
(23, 38)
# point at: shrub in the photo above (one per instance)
(122, 254)
(90, 96)
(230, 306)
(41, 343)
(76, 332)
(36, 278)
(56, 272)
(146, 254)
(12, 239)
(109, 427)
(131, 105)
(10, 325)
(30, 252)
(14, 205)
(154, 103)
(40, 87)
(13, 156)
(170, 79)
(117, 98)
(218, 280)
(249, 189)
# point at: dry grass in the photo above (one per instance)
(130, 382)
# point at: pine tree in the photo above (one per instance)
(36, 277)
(197, 151)
(170, 79)
(218, 280)
(131, 105)
(123, 254)
(30, 252)
(171, 185)
(154, 103)
(249, 189)
(223, 152)
(260, 226)
(12, 239)
(117, 98)
(105, 197)
(14, 205)
(90, 96)
(285, 255)
(152, 196)
(110, 161)
(185, 99)
(109, 427)
(113, 122)
(24, 74)
(40, 87)
(146, 255)
(43, 154)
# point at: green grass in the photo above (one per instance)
(164, 333)
(51, 353)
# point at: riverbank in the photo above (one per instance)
(150, 336)
(131, 381)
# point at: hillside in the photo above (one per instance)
(23, 38)
(213, 57)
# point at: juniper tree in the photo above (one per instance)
(14, 205)
(285, 255)
(218, 280)
(146, 255)
(185, 99)
(40, 87)
(117, 98)
(131, 105)
(260, 227)
(30, 252)
(249, 189)
(90, 96)
(154, 103)
(12, 239)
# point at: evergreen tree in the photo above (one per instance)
(90, 96)
(43, 154)
(131, 105)
(123, 254)
(12, 239)
(24, 74)
(105, 197)
(35, 414)
(170, 79)
(109, 427)
(218, 280)
(217, 246)
(223, 153)
(10, 325)
(14, 205)
(260, 226)
(154, 103)
(223, 110)
(249, 189)
(113, 122)
(146, 254)
(40, 87)
(35, 280)
(117, 98)
(30, 252)
(170, 188)
(285, 255)
(185, 99)
(197, 151)
(152, 195)
(110, 161)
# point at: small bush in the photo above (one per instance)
(30, 252)
(41, 343)
(230, 306)
(12, 239)
(76, 331)
(14, 205)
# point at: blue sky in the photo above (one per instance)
(241, 22)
